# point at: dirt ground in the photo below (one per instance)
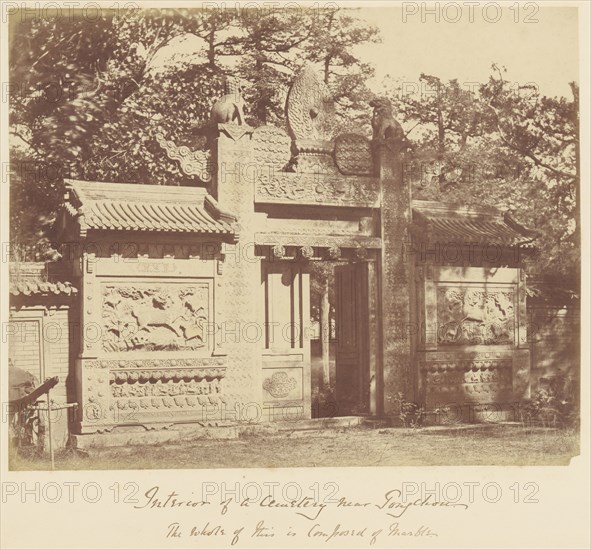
(360, 446)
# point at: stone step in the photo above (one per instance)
(319, 423)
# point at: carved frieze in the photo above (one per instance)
(486, 380)
(208, 366)
(163, 388)
(317, 189)
(154, 317)
(474, 316)
(159, 404)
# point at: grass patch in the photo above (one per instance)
(485, 445)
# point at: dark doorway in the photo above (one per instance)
(344, 338)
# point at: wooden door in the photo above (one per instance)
(356, 339)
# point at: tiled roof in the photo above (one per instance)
(36, 279)
(39, 288)
(137, 207)
(449, 223)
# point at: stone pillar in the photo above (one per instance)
(241, 299)
(395, 275)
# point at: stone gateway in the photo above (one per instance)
(193, 304)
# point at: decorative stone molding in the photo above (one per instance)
(193, 163)
(234, 131)
(143, 376)
(206, 363)
(463, 381)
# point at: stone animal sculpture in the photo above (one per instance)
(385, 127)
(229, 109)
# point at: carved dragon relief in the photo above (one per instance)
(313, 189)
(164, 318)
(475, 316)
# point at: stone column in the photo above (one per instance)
(241, 301)
(395, 277)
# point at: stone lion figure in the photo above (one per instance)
(229, 109)
(385, 127)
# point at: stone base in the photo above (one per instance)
(151, 437)
(121, 437)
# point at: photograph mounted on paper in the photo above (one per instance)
(259, 238)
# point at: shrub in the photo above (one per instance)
(554, 405)
(411, 414)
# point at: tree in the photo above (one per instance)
(333, 46)
(544, 132)
(504, 145)
(93, 95)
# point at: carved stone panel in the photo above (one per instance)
(473, 315)
(155, 317)
(192, 162)
(298, 188)
(271, 147)
(150, 391)
(460, 381)
(353, 155)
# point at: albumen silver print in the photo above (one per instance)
(266, 264)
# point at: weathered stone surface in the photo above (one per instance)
(309, 104)
(353, 155)
(398, 372)
(302, 188)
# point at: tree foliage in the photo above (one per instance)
(500, 144)
(89, 97)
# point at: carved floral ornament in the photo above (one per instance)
(307, 252)
(279, 251)
(280, 384)
(334, 252)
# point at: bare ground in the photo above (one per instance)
(362, 446)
